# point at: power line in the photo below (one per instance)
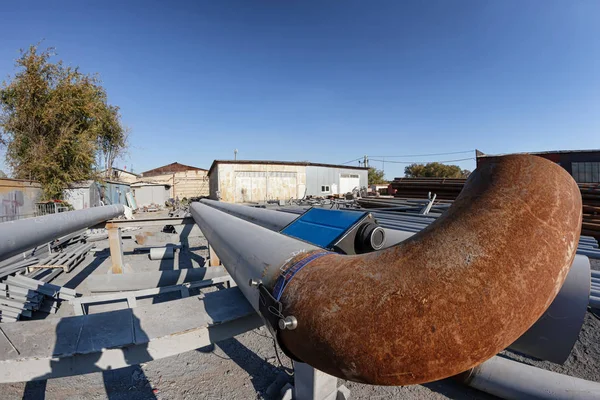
(421, 162)
(427, 155)
(351, 161)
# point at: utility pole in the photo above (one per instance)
(235, 154)
(366, 161)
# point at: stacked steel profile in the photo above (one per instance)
(447, 189)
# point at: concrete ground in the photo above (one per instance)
(242, 367)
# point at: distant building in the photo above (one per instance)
(241, 181)
(183, 180)
(150, 193)
(120, 175)
(87, 194)
(583, 165)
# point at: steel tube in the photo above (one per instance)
(247, 251)
(512, 380)
(270, 219)
(276, 220)
(553, 336)
(20, 235)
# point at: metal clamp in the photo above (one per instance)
(272, 311)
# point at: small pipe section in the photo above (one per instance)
(512, 380)
(595, 302)
(24, 234)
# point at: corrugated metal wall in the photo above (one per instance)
(318, 176)
(242, 183)
(114, 192)
(150, 194)
(84, 195)
(18, 198)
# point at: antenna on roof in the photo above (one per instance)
(235, 154)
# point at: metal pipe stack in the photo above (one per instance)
(448, 189)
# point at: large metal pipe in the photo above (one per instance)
(270, 219)
(552, 336)
(437, 304)
(512, 380)
(247, 251)
(277, 220)
(23, 234)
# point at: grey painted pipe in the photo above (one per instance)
(162, 253)
(24, 234)
(276, 220)
(512, 380)
(247, 251)
(270, 219)
(554, 334)
(151, 279)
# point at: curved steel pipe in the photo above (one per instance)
(451, 296)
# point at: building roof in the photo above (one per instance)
(170, 169)
(120, 170)
(270, 162)
(481, 154)
(146, 183)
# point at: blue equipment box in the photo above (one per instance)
(322, 227)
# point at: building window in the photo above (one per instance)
(325, 189)
(586, 172)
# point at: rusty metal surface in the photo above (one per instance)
(453, 295)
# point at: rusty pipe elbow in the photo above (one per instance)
(450, 297)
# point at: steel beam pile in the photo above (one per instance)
(419, 188)
(595, 290)
(20, 296)
(448, 189)
(333, 311)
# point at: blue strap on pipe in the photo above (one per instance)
(287, 276)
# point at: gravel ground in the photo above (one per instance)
(245, 366)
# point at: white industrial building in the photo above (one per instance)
(242, 181)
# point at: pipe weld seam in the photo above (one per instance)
(287, 274)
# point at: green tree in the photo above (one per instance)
(55, 121)
(435, 170)
(376, 176)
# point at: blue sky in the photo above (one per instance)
(330, 81)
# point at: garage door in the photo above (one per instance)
(254, 186)
(348, 182)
